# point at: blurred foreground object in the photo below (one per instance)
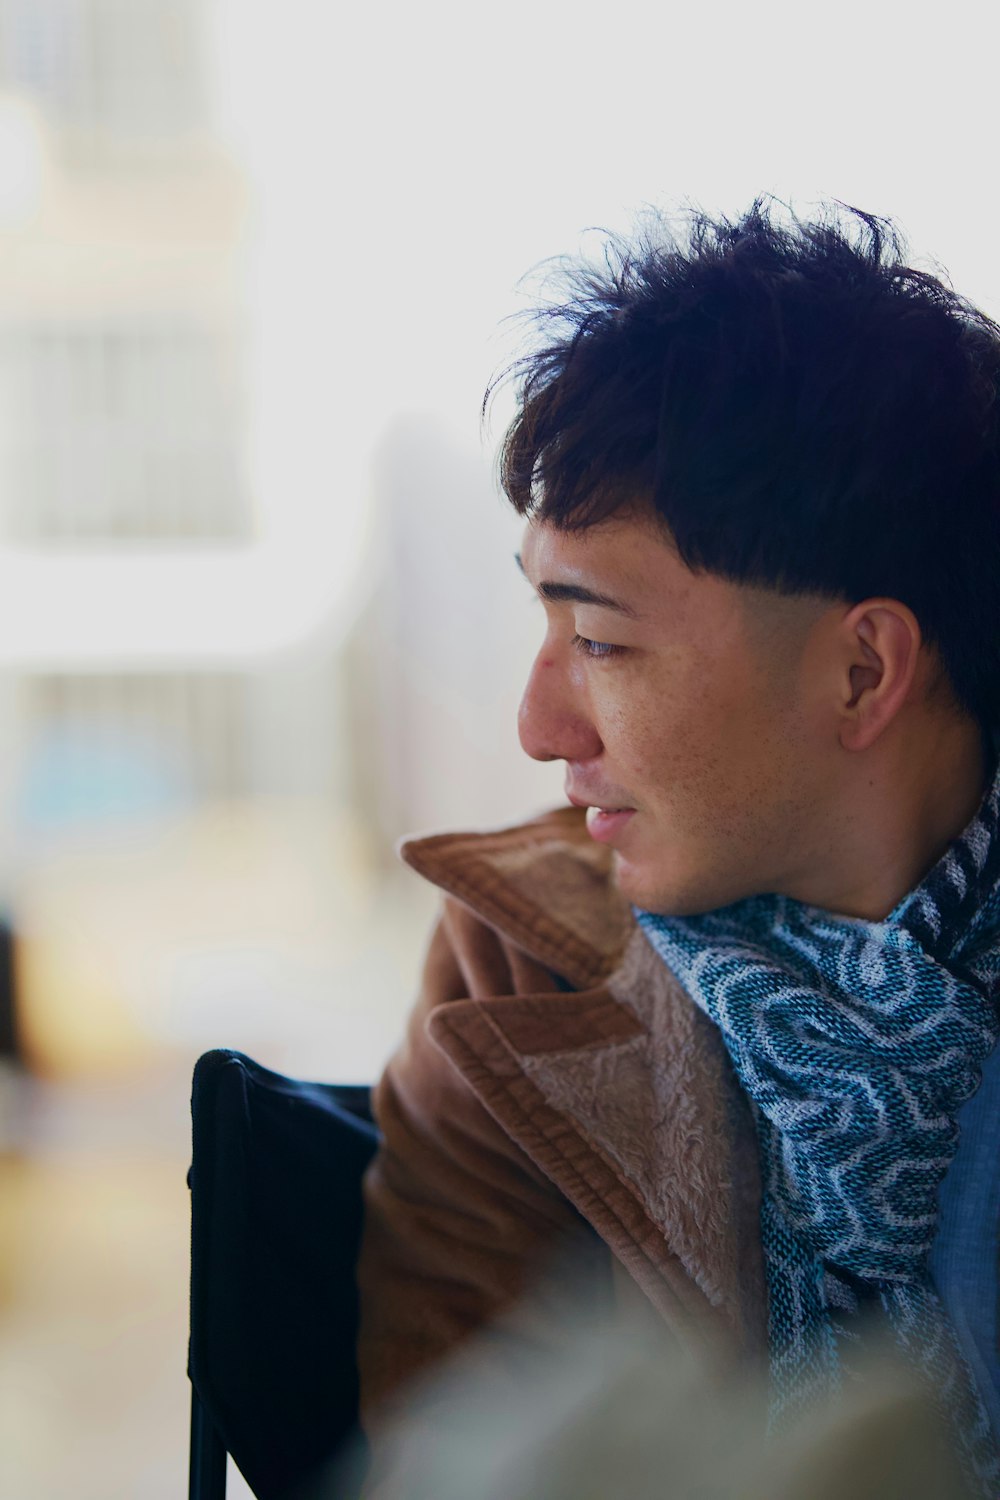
(620, 1413)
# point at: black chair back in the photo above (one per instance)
(276, 1215)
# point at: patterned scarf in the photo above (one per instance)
(857, 1042)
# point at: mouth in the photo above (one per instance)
(603, 823)
(609, 807)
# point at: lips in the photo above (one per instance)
(604, 819)
(604, 824)
(605, 807)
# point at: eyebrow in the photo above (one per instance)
(575, 593)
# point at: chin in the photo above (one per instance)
(643, 887)
(664, 892)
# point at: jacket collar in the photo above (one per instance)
(661, 1135)
(544, 883)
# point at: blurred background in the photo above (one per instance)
(258, 610)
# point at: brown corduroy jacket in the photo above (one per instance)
(556, 1085)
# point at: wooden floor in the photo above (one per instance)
(94, 1211)
(93, 1326)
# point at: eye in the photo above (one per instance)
(597, 650)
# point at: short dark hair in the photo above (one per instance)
(806, 412)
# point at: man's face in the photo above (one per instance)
(704, 720)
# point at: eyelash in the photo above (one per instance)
(583, 645)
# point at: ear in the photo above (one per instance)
(882, 640)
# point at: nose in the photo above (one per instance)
(552, 721)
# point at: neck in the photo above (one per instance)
(895, 817)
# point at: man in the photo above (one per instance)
(720, 1025)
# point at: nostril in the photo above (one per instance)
(549, 724)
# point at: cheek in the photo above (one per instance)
(699, 740)
(660, 728)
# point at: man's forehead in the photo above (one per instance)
(637, 568)
(619, 556)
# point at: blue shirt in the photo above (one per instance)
(965, 1256)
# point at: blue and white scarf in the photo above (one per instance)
(856, 1043)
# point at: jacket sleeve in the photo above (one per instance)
(457, 1218)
